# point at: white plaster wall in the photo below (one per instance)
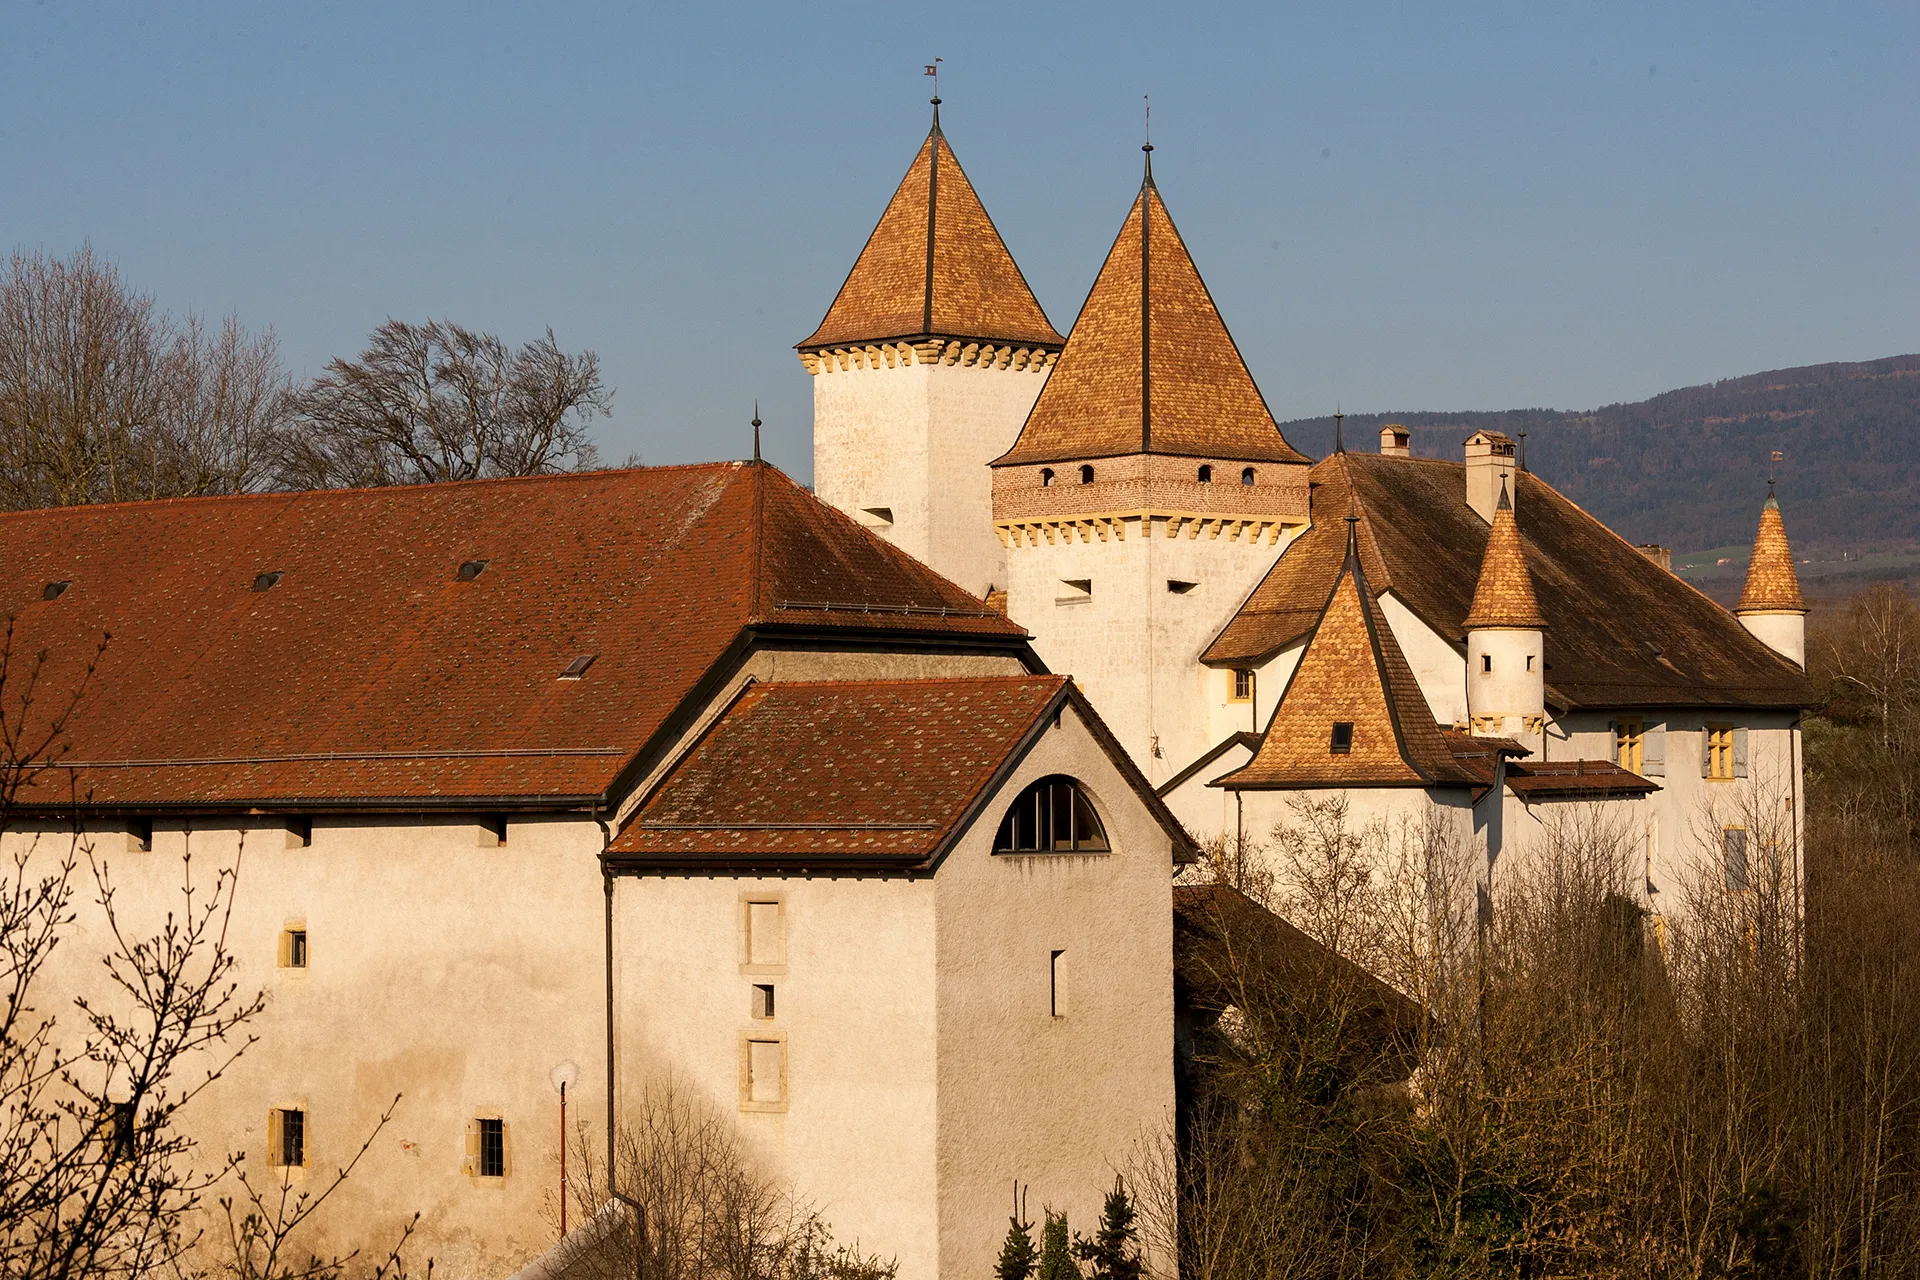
(1226, 717)
(857, 1004)
(1688, 809)
(1060, 1103)
(1133, 645)
(1210, 813)
(917, 439)
(452, 974)
(1438, 665)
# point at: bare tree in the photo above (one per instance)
(438, 401)
(104, 398)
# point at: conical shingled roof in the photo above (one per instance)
(1352, 672)
(1504, 597)
(935, 266)
(1150, 366)
(1773, 585)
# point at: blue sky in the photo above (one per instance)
(1396, 206)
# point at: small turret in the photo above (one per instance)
(1506, 659)
(1771, 606)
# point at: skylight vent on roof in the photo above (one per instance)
(470, 569)
(578, 667)
(54, 590)
(266, 581)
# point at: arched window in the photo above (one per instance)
(1046, 476)
(1206, 474)
(1246, 477)
(1086, 475)
(1051, 816)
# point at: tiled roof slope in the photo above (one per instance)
(848, 773)
(1504, 595)
(1354, 672)
(968, 286)
(1624, 632)
(1773, 585)
(369, 673)
(1198, 399)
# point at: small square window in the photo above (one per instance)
(1342, 741)
(1486, 662)
(763, 1000)
(493, 1148)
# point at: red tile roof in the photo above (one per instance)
(369, 674)
(840, 774)
(966, 286)
(1198, 400)
(1623, 631)
(1773, 585)
(1353, 673)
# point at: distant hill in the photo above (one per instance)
(1687, 469)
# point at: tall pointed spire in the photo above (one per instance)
(1773, 584)
(1503, 598)
(935, 266)
(1150, 366)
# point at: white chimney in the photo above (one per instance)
(1395, 442)
(1489, 462)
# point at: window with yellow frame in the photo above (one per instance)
(1630, 744)
(1719, 751)
(1243, 684)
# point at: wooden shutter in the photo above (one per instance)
(274, 1159)
(1740, 752)
(471, 1165)
(1654, 753)
(1706, 751)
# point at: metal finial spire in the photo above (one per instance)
(933, 69)
(1520, 463)
(1147, 145)
(756, 431)
(1339, 438)
(1773, 457)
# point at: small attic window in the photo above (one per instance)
(54, 590)
(1246, 476)
(1046, 477)
(266, 581)
(1342, 742)
(1086, 475)
(470, 569)
(578, 667)
(1206, 474)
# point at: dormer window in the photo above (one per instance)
(1342, 741)
(54, 590)
(1051, 816)
(470, 569)
(1206, 475)
(1086, 475)
(266, 581)
(1046, 477)
(1246, 476)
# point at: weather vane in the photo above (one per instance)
(1148, 98)
(933, 69)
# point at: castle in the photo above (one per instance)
(855, 814)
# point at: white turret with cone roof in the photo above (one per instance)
(1506, 658)
(923, 370)
(1771, 606)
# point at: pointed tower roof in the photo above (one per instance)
(1354, 673)
(935, 266)
(1504, 598)
(1150, 366)
(1773, 586)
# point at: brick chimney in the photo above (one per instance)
(1489, 462)
(1395, 442)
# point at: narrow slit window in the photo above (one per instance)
(294, 949)
(292, 1132)
(493, 1148)
(1486, 662)
(1057, 984)
(1342, 741)
(1051, 816)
